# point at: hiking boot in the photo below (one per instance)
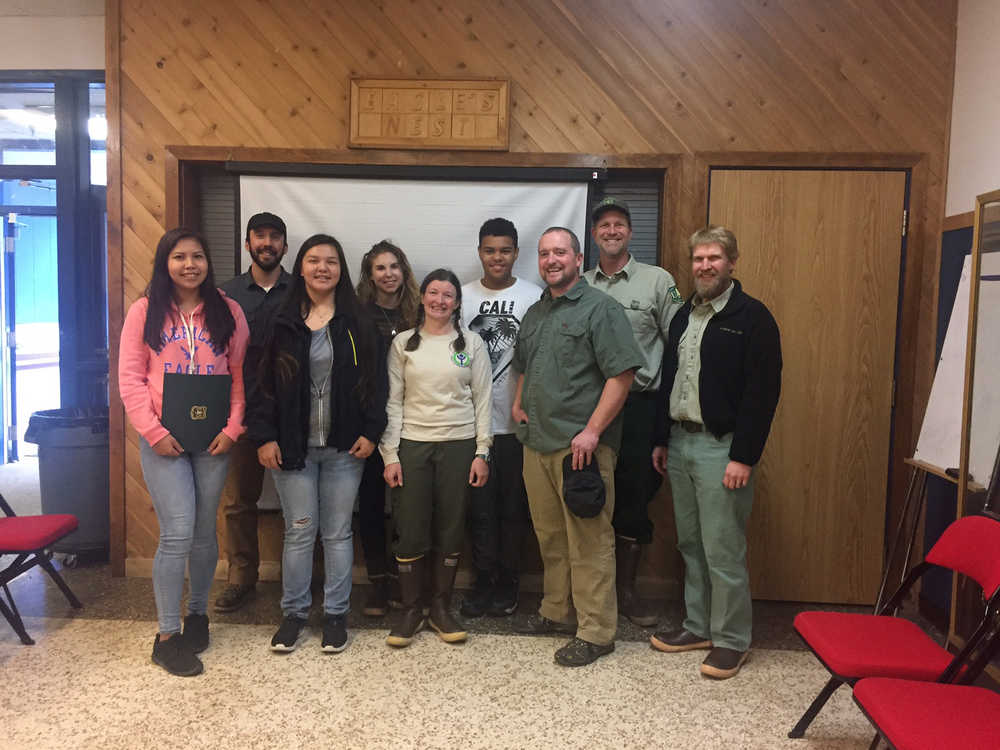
(580, 653)
(680, 639)
(196, 632)
(505, 594)
(536, 624)
(476, 602)
(377, 602)
(441, 619)
(334, 633)
(723, 663)
(411, 618)
(234, 596)
(289, 634)
(175, 655)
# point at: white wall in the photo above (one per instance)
(974, 161)
(52, 35)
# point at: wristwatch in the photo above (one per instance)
(484, 456)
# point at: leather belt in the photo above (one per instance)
(692, 426)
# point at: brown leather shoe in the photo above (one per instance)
(673, 641)
(723, 663)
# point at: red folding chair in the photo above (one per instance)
(855, 646)
(911, 715)
(28, 538)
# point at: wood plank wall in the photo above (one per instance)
(758, 79)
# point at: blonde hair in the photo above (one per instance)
(715, 235)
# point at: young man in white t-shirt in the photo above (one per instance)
(499, 519)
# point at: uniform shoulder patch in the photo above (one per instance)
(675, 296)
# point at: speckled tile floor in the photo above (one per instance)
(499, 690)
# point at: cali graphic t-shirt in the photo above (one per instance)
(496, 314)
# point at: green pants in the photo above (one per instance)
(578, 553)
(429, 509)
(711, 536)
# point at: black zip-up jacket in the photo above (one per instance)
(280, 411)
(740, 378)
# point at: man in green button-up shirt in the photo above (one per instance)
(576, 358)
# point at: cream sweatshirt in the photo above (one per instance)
(437, 394)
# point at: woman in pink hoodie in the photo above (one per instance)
(183, 324)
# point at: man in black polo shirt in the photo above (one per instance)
(721, 381)
(266, 242)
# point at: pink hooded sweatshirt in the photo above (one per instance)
(140, 369)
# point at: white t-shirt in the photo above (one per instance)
(496, 314)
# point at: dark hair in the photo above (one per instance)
(440, 274)
(498, 228)
(297, 303)
(160, 292)
(409, 296)
(574, 241)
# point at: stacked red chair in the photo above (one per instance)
(28, 539)
(857, 646)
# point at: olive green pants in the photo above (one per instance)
(429, 509)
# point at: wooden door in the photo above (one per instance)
(822, 249)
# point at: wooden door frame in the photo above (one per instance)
(918, 304)
(181, 165)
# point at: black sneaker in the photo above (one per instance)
(234, 596)
(176, 656)
(536, 624)
(580, 653)
(196, 632)
(476, 602)
(288, 635)
(334, 633)
(504, 601)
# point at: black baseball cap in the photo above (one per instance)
(611, 204)
(266, 219)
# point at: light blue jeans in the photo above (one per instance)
(185, 490)
(320, 496)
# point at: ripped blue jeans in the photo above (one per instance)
(318, 498)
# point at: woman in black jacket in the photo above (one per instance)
(318, 409)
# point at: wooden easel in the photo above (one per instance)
(909, 519)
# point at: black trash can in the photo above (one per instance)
(73, 472)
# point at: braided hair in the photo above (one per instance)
(440, 274)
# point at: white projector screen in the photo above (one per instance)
(436, 223)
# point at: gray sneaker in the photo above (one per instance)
(580, 653)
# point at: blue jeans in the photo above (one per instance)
(320, 496)
(185, 490)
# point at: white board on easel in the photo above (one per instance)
(940, 438)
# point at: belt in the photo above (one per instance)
(692, 426)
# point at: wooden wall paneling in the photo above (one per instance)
(459, 56)
(557, 82)
(230, 115)
(263, 76)
(612, 81)
(156, 69)
(802, 43)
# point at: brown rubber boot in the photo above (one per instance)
(377, 602)
(444, 569)
(627, 555)
(411, 617)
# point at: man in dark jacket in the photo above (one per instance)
(266, 243)
(723, 367)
